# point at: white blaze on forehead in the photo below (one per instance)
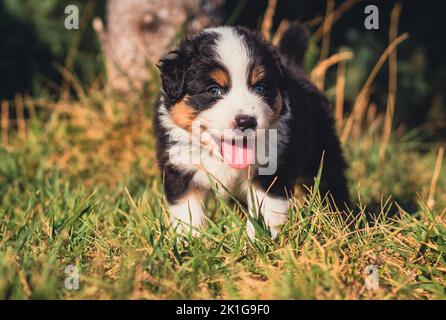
(233, 53)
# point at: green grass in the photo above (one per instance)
(81, 188)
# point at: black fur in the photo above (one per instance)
(293, 45)
(176, 183)
(183, 69)
(313, 137)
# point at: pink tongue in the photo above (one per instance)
(237, 154)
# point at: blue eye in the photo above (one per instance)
(215, 91)
(259, 89)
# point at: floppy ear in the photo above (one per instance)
(173, 69)
(281, 74)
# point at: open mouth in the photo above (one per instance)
(238, 152)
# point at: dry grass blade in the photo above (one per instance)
(318, 73)
(438, 163)
(313, 22)
(360, 105)
(5, 122)
(267, 22)
(20, 113)
(280, 30)
(69, 78)
(327, 25)
(393, 78)
(335, 16)
(340, 91)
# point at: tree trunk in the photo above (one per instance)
(139, 32)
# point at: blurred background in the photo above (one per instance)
(35, 44)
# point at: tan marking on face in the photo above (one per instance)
(257, 74)
(182, 114)
(221, 77)
(278, 104)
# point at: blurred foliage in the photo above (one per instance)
(34, 42)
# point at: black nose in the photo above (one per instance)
(244, 122)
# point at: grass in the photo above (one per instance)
(79, 186)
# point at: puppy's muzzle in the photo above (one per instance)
(244, 122)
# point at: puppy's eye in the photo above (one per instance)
(215, 91)
(259, 89)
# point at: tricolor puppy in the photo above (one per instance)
(238, 114)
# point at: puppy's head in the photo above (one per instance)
(225, 82)
(226, 79)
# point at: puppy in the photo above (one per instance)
(238, 115)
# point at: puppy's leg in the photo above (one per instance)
(185, 201)
(273, 209)
(187, 213)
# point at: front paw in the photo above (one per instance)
(183, 228)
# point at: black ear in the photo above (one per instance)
(293, 45)
(173, 69)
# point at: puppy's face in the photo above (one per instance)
(225, 82)
(225, 79)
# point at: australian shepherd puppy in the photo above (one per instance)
(238, 115)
